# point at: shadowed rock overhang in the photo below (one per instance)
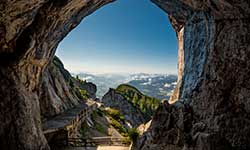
(213, 86)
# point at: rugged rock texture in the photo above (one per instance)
(146, 104)
(168, 126)
(214, 72)
(29, 34)
(144, 127)
(60, 91)
(115, 100)
(89, 87)
(213, 79)
(55, 95)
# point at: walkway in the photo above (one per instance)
(58, 129)
(98, 141)
(69, 118)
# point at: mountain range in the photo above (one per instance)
(156, 85)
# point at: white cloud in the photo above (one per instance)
(174, 83)
(167, 85)
(87, 78)
(146, 83)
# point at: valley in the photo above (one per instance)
(44, 107)
(113, 119)
(159, 86)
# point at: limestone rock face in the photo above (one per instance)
(29, 34)
(115, 100)
(90, 88)
(213, 79)
(60, 91)
(214, 70)
(167, 125)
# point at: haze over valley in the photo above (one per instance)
(156, 85)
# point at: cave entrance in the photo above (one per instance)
(123, 38)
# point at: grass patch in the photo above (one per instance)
(118, 127)
(133, 134)
(100, 128)
(115, 114)
(147, 105)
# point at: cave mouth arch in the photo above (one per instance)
(40, 29)
(216, 70)
(121, 28)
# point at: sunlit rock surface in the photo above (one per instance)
(60, 91)
(213, 79)
(115, 100)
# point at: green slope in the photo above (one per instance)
(146, 104)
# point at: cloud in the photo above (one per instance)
(167, 85)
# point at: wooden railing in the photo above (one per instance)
(60, 136)
(74, 122)
(81, 116)
(93, 142)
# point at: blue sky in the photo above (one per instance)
(127, 36)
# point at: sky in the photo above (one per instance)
(126, 36)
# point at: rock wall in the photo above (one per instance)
(115, 100)
(29, 34)
(214, 73)
(60, 91)
(213, 89)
